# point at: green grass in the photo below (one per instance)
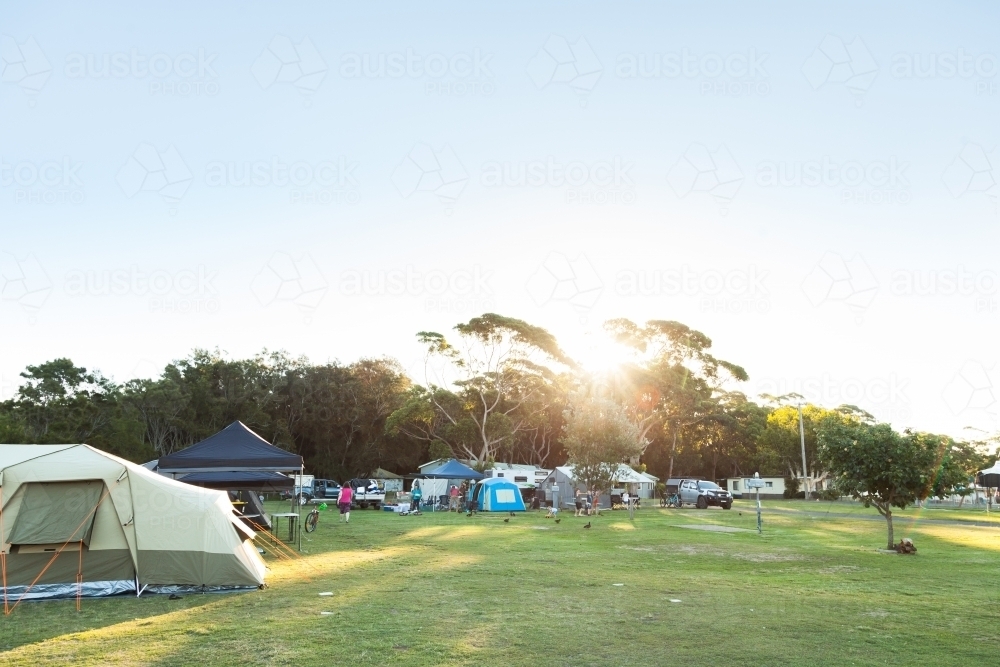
(443, 589)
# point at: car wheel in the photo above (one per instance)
(702, 503)
(303, 499)
(727, 506)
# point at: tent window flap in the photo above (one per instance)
(56, 512)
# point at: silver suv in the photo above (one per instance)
(702, 494)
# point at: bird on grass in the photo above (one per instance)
(588, 525)
(558, 520)
(512, 514)
(469, 514)
(507, 520)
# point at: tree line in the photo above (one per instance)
(495, 388)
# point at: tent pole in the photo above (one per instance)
(79, 578)
(298, 524)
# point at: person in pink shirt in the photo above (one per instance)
(344, 502)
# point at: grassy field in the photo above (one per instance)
(444, 589)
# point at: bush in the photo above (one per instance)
(829, 494)
(792, 488)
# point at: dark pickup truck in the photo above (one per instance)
(701, 494)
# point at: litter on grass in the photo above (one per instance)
(325, 594)
(617, 584)
(326, 613)
(672, 600)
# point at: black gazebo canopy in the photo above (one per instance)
(235, 449)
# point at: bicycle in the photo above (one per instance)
(312, 519)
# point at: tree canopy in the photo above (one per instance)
(495, 388)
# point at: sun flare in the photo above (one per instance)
(599, 355)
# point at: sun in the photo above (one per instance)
(597, 354)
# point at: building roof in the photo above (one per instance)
(515, 466)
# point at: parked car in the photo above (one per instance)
(701, 494)
(319, 490)
(300, 481)
(367, 493)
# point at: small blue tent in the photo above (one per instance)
(499, 495)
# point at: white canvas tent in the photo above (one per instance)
(72, 513)
(563, 477)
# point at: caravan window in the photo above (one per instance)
(518, 478)
(769, 484)
(736, 485)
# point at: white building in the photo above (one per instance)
(774, 487)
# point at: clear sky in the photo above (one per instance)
(811, 186)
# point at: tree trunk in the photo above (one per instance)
(888, 521)
(673, 446)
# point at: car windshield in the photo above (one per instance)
(707, 485)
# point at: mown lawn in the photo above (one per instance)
(444, 589)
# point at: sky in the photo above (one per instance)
(814, 187)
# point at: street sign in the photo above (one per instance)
(755, 483)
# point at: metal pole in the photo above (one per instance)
(759, 522)
(802, 440)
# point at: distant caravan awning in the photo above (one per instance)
(250, 480)
(234, 448)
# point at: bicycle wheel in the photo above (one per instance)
(311, 521)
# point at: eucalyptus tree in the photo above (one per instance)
(674, 382)
(496, 371)
(599, 436)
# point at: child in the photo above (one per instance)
(415, 496)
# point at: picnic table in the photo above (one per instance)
(293, 524)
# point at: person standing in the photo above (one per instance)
(415, 496)
(453, 499)
(578, 501)
(344, 502)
